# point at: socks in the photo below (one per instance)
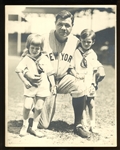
(78, 106)
(25, 122)
(35, 124)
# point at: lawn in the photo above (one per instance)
(60, 132)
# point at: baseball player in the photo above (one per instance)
(60, 45)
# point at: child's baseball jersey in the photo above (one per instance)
(86, 63)
(43, 90)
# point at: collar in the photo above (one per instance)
(34, 59)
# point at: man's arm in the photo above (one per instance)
(33, 79)
(52, 82)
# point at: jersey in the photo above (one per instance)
(91, 65)
(60, 54)
(32, 65)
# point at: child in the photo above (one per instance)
(36, 63)
(87, 68)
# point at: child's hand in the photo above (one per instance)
(53, 90)
(80, 76)
(27, 84)
(92, 90)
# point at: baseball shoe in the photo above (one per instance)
(79, 130)
(23, 130)
(35, 132)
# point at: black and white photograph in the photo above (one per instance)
(52, 47)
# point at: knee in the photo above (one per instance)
(46, 126)
(39, 106)
(28, 105)
(42, 125)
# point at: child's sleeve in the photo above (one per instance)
(100, 74)
(94, 61)
(21, 66)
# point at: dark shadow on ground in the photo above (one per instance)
(61, 126)
(14, 126)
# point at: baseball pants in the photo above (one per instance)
(68, 84)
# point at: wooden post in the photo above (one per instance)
(19, 37)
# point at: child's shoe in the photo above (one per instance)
(23, 130)
(92, 127)
(35, 132)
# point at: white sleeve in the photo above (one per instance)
(21, 66)
(94, 62)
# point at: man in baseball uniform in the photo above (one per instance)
(60, 46)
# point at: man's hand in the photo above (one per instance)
(33, 79)
(53, 90)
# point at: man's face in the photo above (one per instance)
(63, 27)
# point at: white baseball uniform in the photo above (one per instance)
(60, 55)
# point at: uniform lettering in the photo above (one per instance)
(70, 58)
(51, 56)
(62, 55)
(66, 57)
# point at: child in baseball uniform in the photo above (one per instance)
(87, 68)
(37, 63)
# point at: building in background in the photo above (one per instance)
(23, 20)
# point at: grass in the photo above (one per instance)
(60, 132)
